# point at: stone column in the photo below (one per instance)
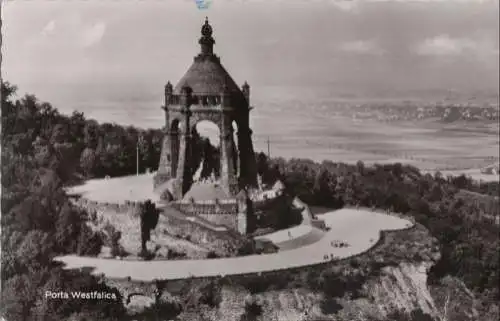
(228, 173)
(248, 171)
(183, 172)
(164, 172)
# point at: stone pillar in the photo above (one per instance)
(165, 166)
(242, 218)
(242, 223)
(164, 172)
(248, 171)
(183, 174)
(228, 173)
(248, 164)
(227, 148)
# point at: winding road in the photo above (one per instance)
(358, 228)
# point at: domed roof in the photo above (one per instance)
(207, 75)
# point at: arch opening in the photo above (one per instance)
(205, 152)
(236, 149)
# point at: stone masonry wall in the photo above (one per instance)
(229, 220)
(224, 212)
(127, 208)
(212, 207)
(221, 243)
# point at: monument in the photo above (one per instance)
(206, 92)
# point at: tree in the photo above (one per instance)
(149, 216)
(88, 162)
(323, 190)
(59, 134)
(18, 297)
(38, 219)
(211, 294)
(89, 242)
(262, 164)
(35, 250)
(253, 309)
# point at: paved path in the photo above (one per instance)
(287, 234)
(118, 189)
(359, 228)
(299, 236)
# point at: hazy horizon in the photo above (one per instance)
(111, 60)
(93, 54)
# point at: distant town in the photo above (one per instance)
(417, 111)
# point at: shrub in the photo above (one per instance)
(247, 248)
(256, 284)
(211, 295)
(212, 255)
(330, 306)
(253, 309)
(172, 254)
(355, 262)
(89, 243)
(160, 311)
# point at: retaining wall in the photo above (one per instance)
(221, 242)
(207, 207)
(224, 212)
(128, 208)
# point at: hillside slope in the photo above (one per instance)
(388, 283)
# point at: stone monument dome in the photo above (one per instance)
(207, 76)
(206, 93)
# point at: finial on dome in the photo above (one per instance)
(206, 41)
(206, 29)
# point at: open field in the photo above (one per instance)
(427, 144)
(358, 228)
(322, 130)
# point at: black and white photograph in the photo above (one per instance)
(250, 160)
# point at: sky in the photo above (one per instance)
(126, 50)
